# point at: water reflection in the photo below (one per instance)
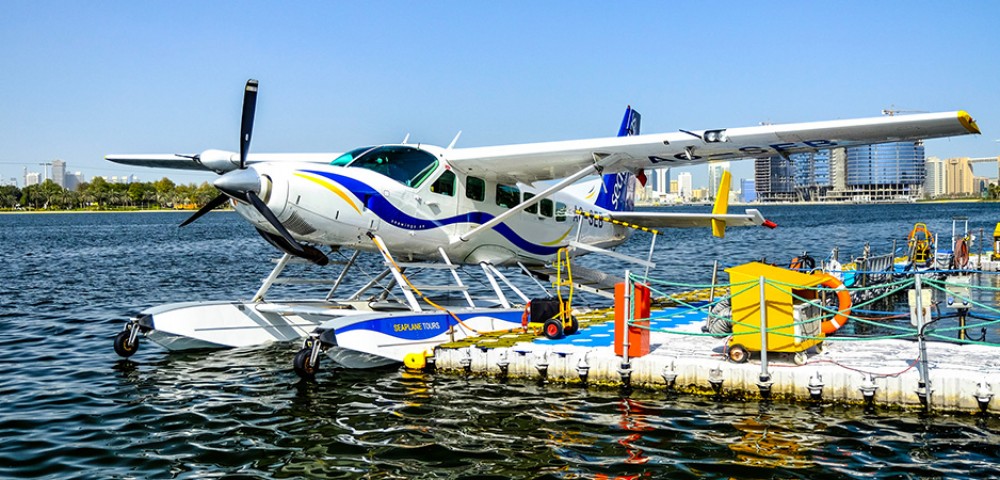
(633, 419)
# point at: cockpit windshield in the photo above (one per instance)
(407, 165)
(349, 157)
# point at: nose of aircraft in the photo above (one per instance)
(238, 182)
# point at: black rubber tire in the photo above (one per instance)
(302, 367)
(738, 354)
(553, 329)
(574, 326)
(122, 348)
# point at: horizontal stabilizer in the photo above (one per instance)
(751, 217)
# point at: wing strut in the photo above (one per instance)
(600, 163)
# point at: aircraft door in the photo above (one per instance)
(440, 199)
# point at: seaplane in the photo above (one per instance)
(425, 207)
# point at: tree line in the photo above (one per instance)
(99, 194)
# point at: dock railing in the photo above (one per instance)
(925, 322)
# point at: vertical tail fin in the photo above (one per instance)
(618, 189)
(721, 205)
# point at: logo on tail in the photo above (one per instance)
(618, 189)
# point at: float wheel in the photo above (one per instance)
(302, 366)
(574, 326)
(552, 329)
(123, 347)
(738, 354)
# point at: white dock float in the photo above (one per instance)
(962, 377)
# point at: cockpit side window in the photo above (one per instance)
(406, 165)
(445, 184)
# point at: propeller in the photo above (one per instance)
(246, 126)
(244, 184)
(208, 207)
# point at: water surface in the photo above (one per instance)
(70, 408)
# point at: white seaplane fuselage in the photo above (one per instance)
(418, 214)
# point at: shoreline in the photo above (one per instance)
(59, 212)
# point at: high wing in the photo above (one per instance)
(216, 160)
(532, 162)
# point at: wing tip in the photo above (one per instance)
(968, 122)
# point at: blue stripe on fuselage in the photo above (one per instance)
(385, 210)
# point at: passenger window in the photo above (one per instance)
(508, 196)
(546, 207)
(560, 212)
(475, 188)
(445, 184)
(532, 209)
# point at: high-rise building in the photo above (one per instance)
(934, 185)
(773, 179)
(32, 178)
(748, 190)
(715, 170)
(59, 173)
(662, 186)
(958, 177)
(684, 189)
(73, 181)
(885, 171)
(811, 173)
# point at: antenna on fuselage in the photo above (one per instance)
(455, 140)
(406, 138)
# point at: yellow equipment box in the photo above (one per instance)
(996, 243)
(787, 316)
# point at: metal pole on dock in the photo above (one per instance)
(924, 385)
(764, 375)
(979, 261)
(715, 277)
(628, 315)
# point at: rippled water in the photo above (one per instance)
(69, 408)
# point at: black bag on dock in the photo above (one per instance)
(543, 309)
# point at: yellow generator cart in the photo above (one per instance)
(793, 323)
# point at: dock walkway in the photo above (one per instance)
(686, 360)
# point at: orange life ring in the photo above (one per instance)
(961, 253)
(833, 324)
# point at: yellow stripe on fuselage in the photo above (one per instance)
(331, 187)
(558, 240)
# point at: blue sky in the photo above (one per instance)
(81, 80)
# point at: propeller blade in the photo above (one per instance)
(273, 220)
(211, 205)
(246, 128)
(311, 253)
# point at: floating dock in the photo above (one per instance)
(956, 376)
